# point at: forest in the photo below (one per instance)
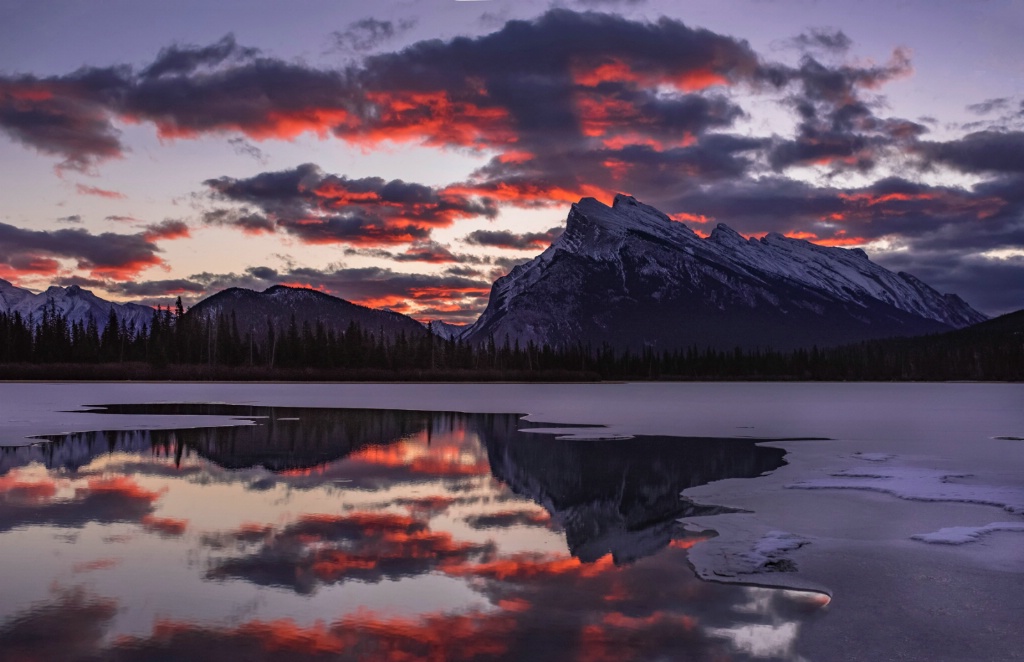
(180, 345)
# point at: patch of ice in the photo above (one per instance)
(918, 484)
(764, 641)
(767, 554)
(874, 457)
(960, 535)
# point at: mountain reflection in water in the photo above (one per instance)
(371, 534)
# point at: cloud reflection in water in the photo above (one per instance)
(381, 535)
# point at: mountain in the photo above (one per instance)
(629, 276)
(280, 303)
(615, 496)
(77, 304)
(446, 330)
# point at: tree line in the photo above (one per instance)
(183, 345)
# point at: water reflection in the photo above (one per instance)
(368, 534)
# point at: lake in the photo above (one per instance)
(169, 522)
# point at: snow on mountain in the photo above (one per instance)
(630, 276)
(77, 304)
(446, 330)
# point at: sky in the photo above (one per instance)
(407, 154)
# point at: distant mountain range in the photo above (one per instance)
(77, 304)
(629, 276)
(626, 276)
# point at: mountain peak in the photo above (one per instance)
(592, 222)
(617, 265)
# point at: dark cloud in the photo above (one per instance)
(989, 105)
(581, 88)
(610, 3)
(506, 239)
(823, 39)
(323, 208)
(243, 147)
(362, 546)
(508, 518)
(106, 255)
(63, 117)
(471, 272)
(72, 625)
(465, 92)
(179, 60)
(156, 288)
(990, 284)
(420, 251)
(369, 33)
(836, 126)
(933, 228)
(33, 502)
(73, 218)
(167, 229)
(983, 152)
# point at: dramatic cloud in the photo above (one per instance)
(836, 127)
(984, 152)
(574, 74)
(104, 255)
(320, 208)
(506, 239)
(364, 546)
(560, 106)
(156, 288)
(33, 502)
(177, 60)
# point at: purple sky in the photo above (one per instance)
(409, 156)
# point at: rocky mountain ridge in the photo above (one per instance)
(79, 305)
(629, 276)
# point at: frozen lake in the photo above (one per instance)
(614, 521)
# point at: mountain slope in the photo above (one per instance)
(280, 303)
(446, 330)
(77, 304)
(629, 276)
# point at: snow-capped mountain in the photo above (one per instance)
(612, 497)
(630, 276)
(281, 303)
(77, 304)
(446, 330)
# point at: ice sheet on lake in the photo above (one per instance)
(919, 484)
(960, 535)
(731, 557)
(874, 457)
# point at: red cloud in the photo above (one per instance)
(121, 486)
(685, 79)
(15, 488)
(99, 192)
(164, 525)
(168, 229)
(434, 118)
